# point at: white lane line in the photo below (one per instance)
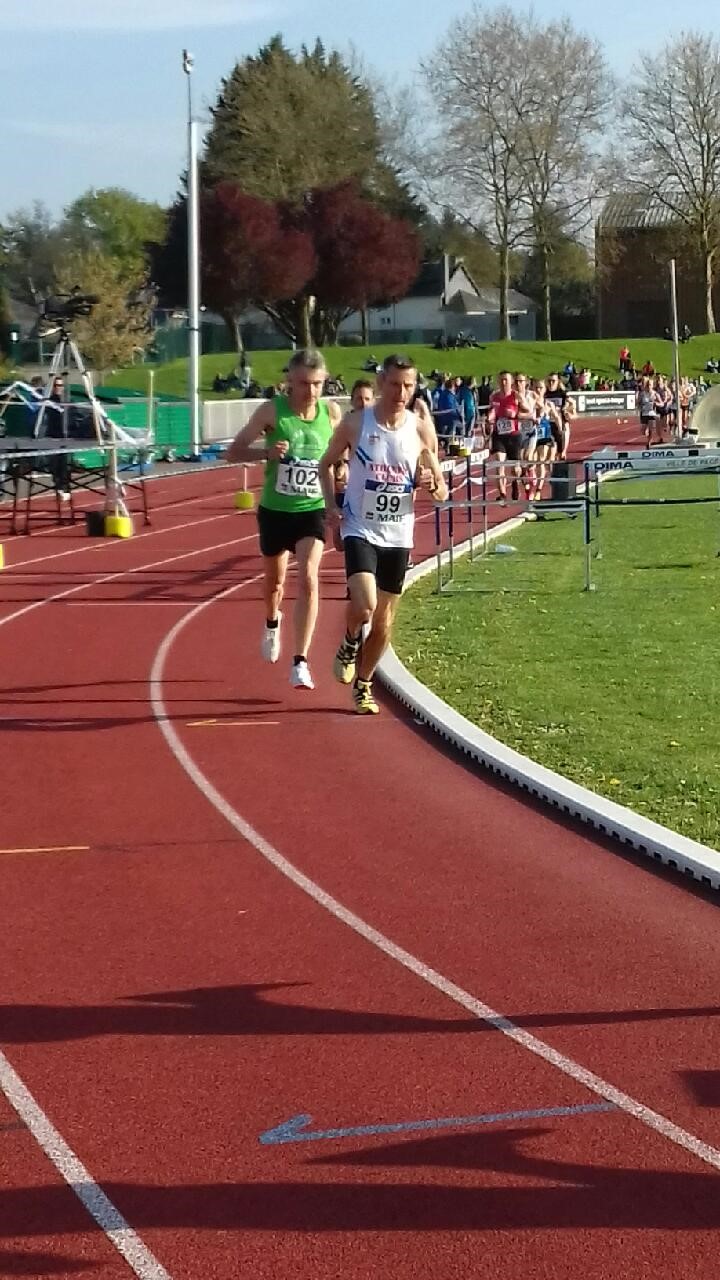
(138, 1257)
(16, 570)
(123, 604)
(120, 573)
(580, 1074)
(141, 1261)
(162, 506)
(229, 724)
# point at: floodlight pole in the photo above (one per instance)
(676, 347)
(193, 222)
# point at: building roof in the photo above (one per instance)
(636, 211)
(487, 301)
(430, 281)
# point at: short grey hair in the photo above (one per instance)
(306, 358)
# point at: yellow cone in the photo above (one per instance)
(244, 500)
(2, 557)
(118, 527)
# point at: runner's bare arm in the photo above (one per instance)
(335, 413)
(430, 477)
(341, 441)
(247, 447)
(424, 415)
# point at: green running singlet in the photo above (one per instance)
(292, 483)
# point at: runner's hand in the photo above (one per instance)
(424, 478)
(278, 450)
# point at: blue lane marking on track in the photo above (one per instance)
(296, 1128)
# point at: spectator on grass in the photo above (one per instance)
(243, 374)
(447, 413)
(466, 397)
(484, 393)
(624, 362)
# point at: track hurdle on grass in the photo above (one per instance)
(641, 464)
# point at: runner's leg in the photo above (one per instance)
(274, 584)
(501, 482)
(273, 589)
(360, 563)
(308, 553)
(378, 639)
(362, 602)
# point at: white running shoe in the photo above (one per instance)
(270, 643)
(300, 677)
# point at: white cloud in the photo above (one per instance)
(129, 15)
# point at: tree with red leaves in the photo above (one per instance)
(250, 254)
(365, 257)
(306, 266)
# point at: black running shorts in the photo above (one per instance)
(388, 565)
(282, 530)
(510, 445)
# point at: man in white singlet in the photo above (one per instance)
(392, 453)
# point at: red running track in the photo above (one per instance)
(170, 994)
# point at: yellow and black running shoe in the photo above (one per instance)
(346, 658)
(365, 704)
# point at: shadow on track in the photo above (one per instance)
(42, 1264)
(583, 1196)
(253, 1010)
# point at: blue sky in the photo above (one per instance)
(94, 95)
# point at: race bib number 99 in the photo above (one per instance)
(387, 503)
(298, 478)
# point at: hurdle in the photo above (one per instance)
(641, 464)
(479, 474)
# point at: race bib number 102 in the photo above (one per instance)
(298, 478)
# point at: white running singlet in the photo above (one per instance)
(379, 496)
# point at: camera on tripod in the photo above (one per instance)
(62, 308)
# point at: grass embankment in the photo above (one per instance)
(619, 689)
(534, 358)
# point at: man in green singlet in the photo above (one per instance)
(290, 434)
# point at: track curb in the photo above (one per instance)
(655, 841)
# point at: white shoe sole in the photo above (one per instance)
(270, 643)
(301, 682)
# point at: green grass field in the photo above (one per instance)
(534, 358)
(617, 689)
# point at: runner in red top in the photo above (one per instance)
(506, 407)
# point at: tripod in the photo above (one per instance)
(66, 353)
